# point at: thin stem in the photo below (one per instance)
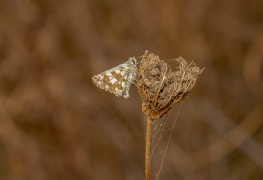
(147, 151)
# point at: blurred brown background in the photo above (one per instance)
(56, 124)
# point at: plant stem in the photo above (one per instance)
(147, 149)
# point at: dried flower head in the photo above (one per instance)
(160, 88)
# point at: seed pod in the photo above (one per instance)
(161, 88)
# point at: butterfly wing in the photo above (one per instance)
(112, 80)
(118, 79)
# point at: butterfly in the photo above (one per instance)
(118, 79)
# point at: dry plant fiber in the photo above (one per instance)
(160, 87)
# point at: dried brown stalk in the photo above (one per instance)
(147, 151)
(161, 88)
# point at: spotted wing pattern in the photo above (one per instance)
(118, 79)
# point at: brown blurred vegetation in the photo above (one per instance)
(55, 124)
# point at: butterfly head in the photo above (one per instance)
(133, 61)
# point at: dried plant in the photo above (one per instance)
(161, 88)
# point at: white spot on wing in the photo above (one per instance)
(108, 74)
(123, 84)
(100, 76)
(117, 71)
(113, 80)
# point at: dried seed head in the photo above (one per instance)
(160, 88)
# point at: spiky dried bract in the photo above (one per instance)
(160, 88)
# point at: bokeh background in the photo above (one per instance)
(56, 124)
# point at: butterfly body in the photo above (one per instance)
(118, 79)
